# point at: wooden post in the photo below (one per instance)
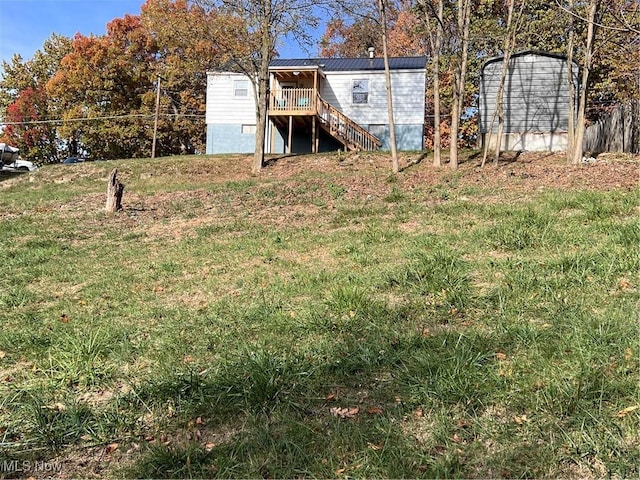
(314, 136)
(115, 189)
(155, 121)
(290, 134)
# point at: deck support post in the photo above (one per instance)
(314, 136)
(290, 134)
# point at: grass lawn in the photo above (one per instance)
(323, 319)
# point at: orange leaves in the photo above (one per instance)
(374, 411)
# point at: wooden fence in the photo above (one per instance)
(617, 132)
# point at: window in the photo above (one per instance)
(360, 92)
(240, 88)
(248, 129)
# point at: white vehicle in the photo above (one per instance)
(20, 165)
(8, 153)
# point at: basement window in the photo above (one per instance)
(360, 92)
(240, 88)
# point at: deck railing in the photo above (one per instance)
(306, 101)
(293, 100)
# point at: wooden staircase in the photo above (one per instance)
(342, 128)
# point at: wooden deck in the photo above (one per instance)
(288, 104)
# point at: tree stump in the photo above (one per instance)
(115, 189)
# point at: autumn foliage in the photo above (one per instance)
(101, 92)
(95, 95)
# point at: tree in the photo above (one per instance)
(508, 50)
(111, 80)
(435, 16)
(184, 52)
(259, 26)
(109, 76)
(382, 10)
(354, 28)
(460, 76)
(24, 103)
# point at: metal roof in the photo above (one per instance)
(351, 64)
(524, 53)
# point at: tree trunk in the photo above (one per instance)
(436, 45)
(387, 74)
(508, 48)
(571, 124)
(262, 90)
(115, 190)
(586, 71)
(464, 18)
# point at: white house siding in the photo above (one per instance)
(226, 115)
(536, 102)
(229, 119)
(408, 87)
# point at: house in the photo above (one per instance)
(319, 104)
(536, 101)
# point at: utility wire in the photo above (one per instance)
(109, 117)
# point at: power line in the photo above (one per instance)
(108, 117)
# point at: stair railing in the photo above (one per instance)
(342, 127)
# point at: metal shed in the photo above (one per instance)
(536, 101)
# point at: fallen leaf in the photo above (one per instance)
(628, 354)
(374, 410)
(158, 289)
(456, 438)
(345, 412)
(520, 419)
(59, 407)
(624, 284)
(199, 421)
(340, 471)
(2, 354)
(418, 413)
(111, 448)
(462, 423)
(625, 411)
(64, 318)
(373, 446)
(188, 359)
(331, 397)
(209, 446)
(501, 356)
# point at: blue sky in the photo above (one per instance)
(26, 24)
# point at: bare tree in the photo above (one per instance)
(265, 23)
(382, 9)
(435, 41)
(460, 76)
(571, 125)
(577, 138)
(507, 50)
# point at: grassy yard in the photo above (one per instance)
(321, 320)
